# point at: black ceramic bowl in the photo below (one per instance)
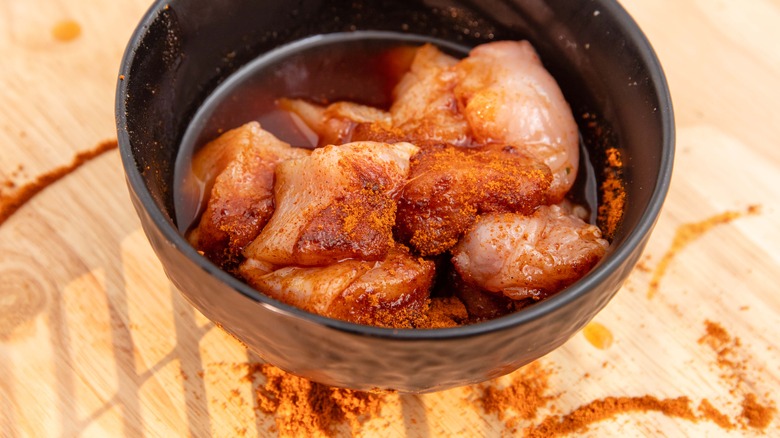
(183, 49)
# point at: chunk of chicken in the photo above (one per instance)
(392, 292)
(528, 256)
(449, 186)
(508, 96)
(501, 93)
(237, 170)
(335, 123)
(425, 107)
(338, 203)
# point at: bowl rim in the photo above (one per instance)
(614, 259)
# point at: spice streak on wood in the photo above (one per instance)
(687, 234)
(10, 203)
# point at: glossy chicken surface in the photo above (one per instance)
(392, 292)
(528, 256)
(239, 165)
(449, 186)
(425, 107)
(337, 203)
(501, 93)
(508, 97)
(335, 123)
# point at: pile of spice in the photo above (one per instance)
(304, 408)
(521, 399)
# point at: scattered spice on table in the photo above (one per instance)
(11, 202)
(304, 408)
(526, 395)
(734, 370)
(688, 233)
(522, 398)
(755, 414)
(708, 411)
(301, 407)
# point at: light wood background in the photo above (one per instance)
(94, 341)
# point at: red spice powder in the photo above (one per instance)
(609, 407)
(527, 394)
(12, 202)
(304, 408)
(522, 398)
(734, 370)
(756, 415)
(687, 234)
(612, 193)
(709, 412)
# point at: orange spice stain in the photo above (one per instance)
(755, 414)
(10, 203)
(734, 367)
(709, 412)
(607, 408)
(598, 335)
(66, 30)
(613, 194)
(687, 234)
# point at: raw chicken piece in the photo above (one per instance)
(392, 292)
(238, 171)
(508, 97)
(425, 107)
(338, 203)
(449, 186)
(309, 288)
(335, 123)
(501, 93)
(528, 256)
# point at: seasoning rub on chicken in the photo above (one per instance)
(456, 192)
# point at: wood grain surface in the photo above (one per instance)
(94, 340)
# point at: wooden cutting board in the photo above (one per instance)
(95, 341)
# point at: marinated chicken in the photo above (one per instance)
(449, 206)
(530, 256)
(482, 305)
(238, 168)
(449, 186)
(392, 292)
(335, 123)
(425, 107)
(337, 203)
(501, 93)
(508, 97)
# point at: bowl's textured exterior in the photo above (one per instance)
(182, 50)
